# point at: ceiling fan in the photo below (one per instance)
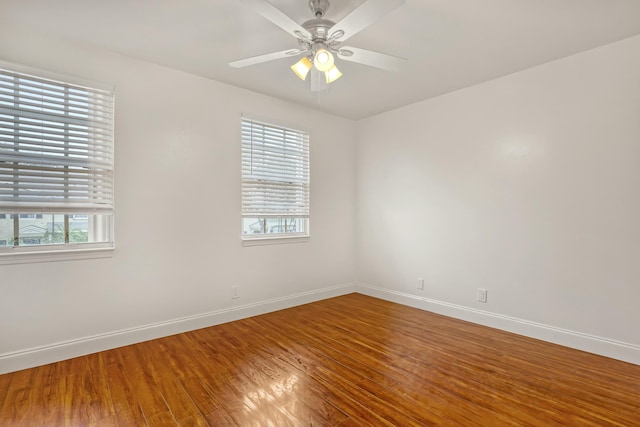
(319, 39)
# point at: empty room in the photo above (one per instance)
(320, 213)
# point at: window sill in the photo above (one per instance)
(259, 241)
(16, 256)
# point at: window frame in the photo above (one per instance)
(304, 214)
(17, 254)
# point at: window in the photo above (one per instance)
(56, 163)
(275, 181)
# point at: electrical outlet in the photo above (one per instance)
(482, 295)
(234, 292)
(420, 286)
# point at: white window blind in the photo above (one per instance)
(56, 146)
(275, 171)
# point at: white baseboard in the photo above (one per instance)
(578, 340)
(15, 361)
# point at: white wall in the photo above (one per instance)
(178, 215)
(526, 186)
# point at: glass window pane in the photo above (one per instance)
(252, 226)
(49, 229)
(6, 230)
(78, 228)
(45, 229)
(262, 226)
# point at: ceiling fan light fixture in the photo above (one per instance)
(332, 74)
(302, 67)
(323, 60)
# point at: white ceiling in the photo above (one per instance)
(449, 44)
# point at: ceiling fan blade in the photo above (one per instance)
(371, 58)
(240, 63)
(273, 14)
(363, 16)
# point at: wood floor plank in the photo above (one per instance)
(5, 384)
(385, 377)
(163, 380)
(347, 361)
(302, 354)
(49, 394)
(312, 412)
(139, 373)
(406, 369)
(550, 393)
(549, 369)
(288, 378)
(125, 403)
(207, 405)
(18, 402)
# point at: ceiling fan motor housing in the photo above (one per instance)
(319, 28)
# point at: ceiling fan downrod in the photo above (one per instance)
(318, 27)
(318, 7)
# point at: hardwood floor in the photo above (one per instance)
(347, 361)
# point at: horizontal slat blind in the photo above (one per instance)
(56, 146)
(275, 171)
